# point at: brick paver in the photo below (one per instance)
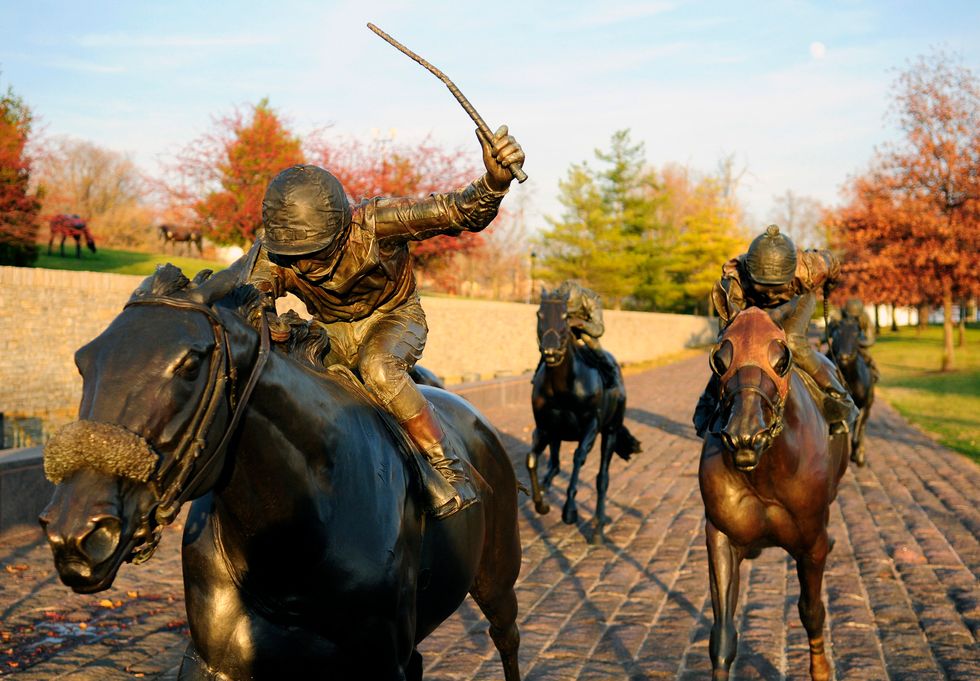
(901, 583)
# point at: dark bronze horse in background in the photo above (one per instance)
(173, 235)
(570, 403)
(72, 226)
(767, 479)
(845, 352)
(306, 553)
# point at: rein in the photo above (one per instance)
(173, 484)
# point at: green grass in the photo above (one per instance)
(122, 262)
(946, 404)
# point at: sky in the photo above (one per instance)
(795, 91)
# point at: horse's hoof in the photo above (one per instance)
(542, 507)
(819, 668)
(569, 516)
(598, 536)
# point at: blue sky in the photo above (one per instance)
(693, 80)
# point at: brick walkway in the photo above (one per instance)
(901, 584)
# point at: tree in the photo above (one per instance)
(914, 218)
(800, 218)
(384, 168)
(19, 207)
(608, 212)
(223, 175)
(104, 187)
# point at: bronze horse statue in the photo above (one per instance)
(767, 478)
(72, 226)
(173, 235)
(306, 553)
(570, 403)
(844, 350)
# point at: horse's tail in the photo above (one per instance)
(626, 444)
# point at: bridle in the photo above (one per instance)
(775, 406)
(174, 482)
(560, 338)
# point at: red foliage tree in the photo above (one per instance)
(224, 174)
(19, 208)
(911, 232)
(383, 168)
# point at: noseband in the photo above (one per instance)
(173, 483)
(776, 406)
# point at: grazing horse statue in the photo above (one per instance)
(767, 478)
(188, 236)
(845, 352)
(70, 226)
(570, 403)
(306, 553)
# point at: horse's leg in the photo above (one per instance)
(414, 670)
(537, 446)
(501, 610)
(857, 445)
(569, 514)
(554, 464)
(192, 667)
(78, 247)
(601, 485)
(723, 563)
(809, 569)
(51, 242)
(63, 237)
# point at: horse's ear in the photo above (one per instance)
(221, 284)
(202, 277)
(167, 279)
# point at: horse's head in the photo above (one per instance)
(553, 329)
(845, 341)
(753, 363)
(159, 395)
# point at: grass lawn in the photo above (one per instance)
(122, 262)
(945, 404)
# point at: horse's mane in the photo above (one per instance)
(301, 339)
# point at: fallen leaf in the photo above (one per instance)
(105, 603)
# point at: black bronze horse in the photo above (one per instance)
(767, 478)
(845, 350)
(570, 403)
(74, 227)
(306, 553)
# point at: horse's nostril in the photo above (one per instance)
(102, 541)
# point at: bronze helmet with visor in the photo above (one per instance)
(305, 210)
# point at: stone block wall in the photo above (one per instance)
(45, 315)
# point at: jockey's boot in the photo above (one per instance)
(838, 406)
(445, 480)
(607, 365)
(704, 413)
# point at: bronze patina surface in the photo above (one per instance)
(767, 475)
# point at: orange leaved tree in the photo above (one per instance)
(19, 207)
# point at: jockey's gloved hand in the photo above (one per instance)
(499, 153)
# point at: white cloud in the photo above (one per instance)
(148, 41)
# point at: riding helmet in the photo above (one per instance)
(771, 259)
(305, 210)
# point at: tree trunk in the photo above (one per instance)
(877, 319)
(961, 340)
(923, 318)
(947, 326)
(894, 320)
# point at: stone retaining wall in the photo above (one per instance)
(45, 315)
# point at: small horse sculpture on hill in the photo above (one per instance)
(306, 553)
(767, 479)
(173, 235)
(845, 352)
(70, 226)
(570, 403)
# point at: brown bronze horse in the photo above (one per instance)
(72, 226)
(306, 553)
(767, 478)
(173, 235)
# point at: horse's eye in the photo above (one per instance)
(780, 357)
(721, 357)
(189, 367)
